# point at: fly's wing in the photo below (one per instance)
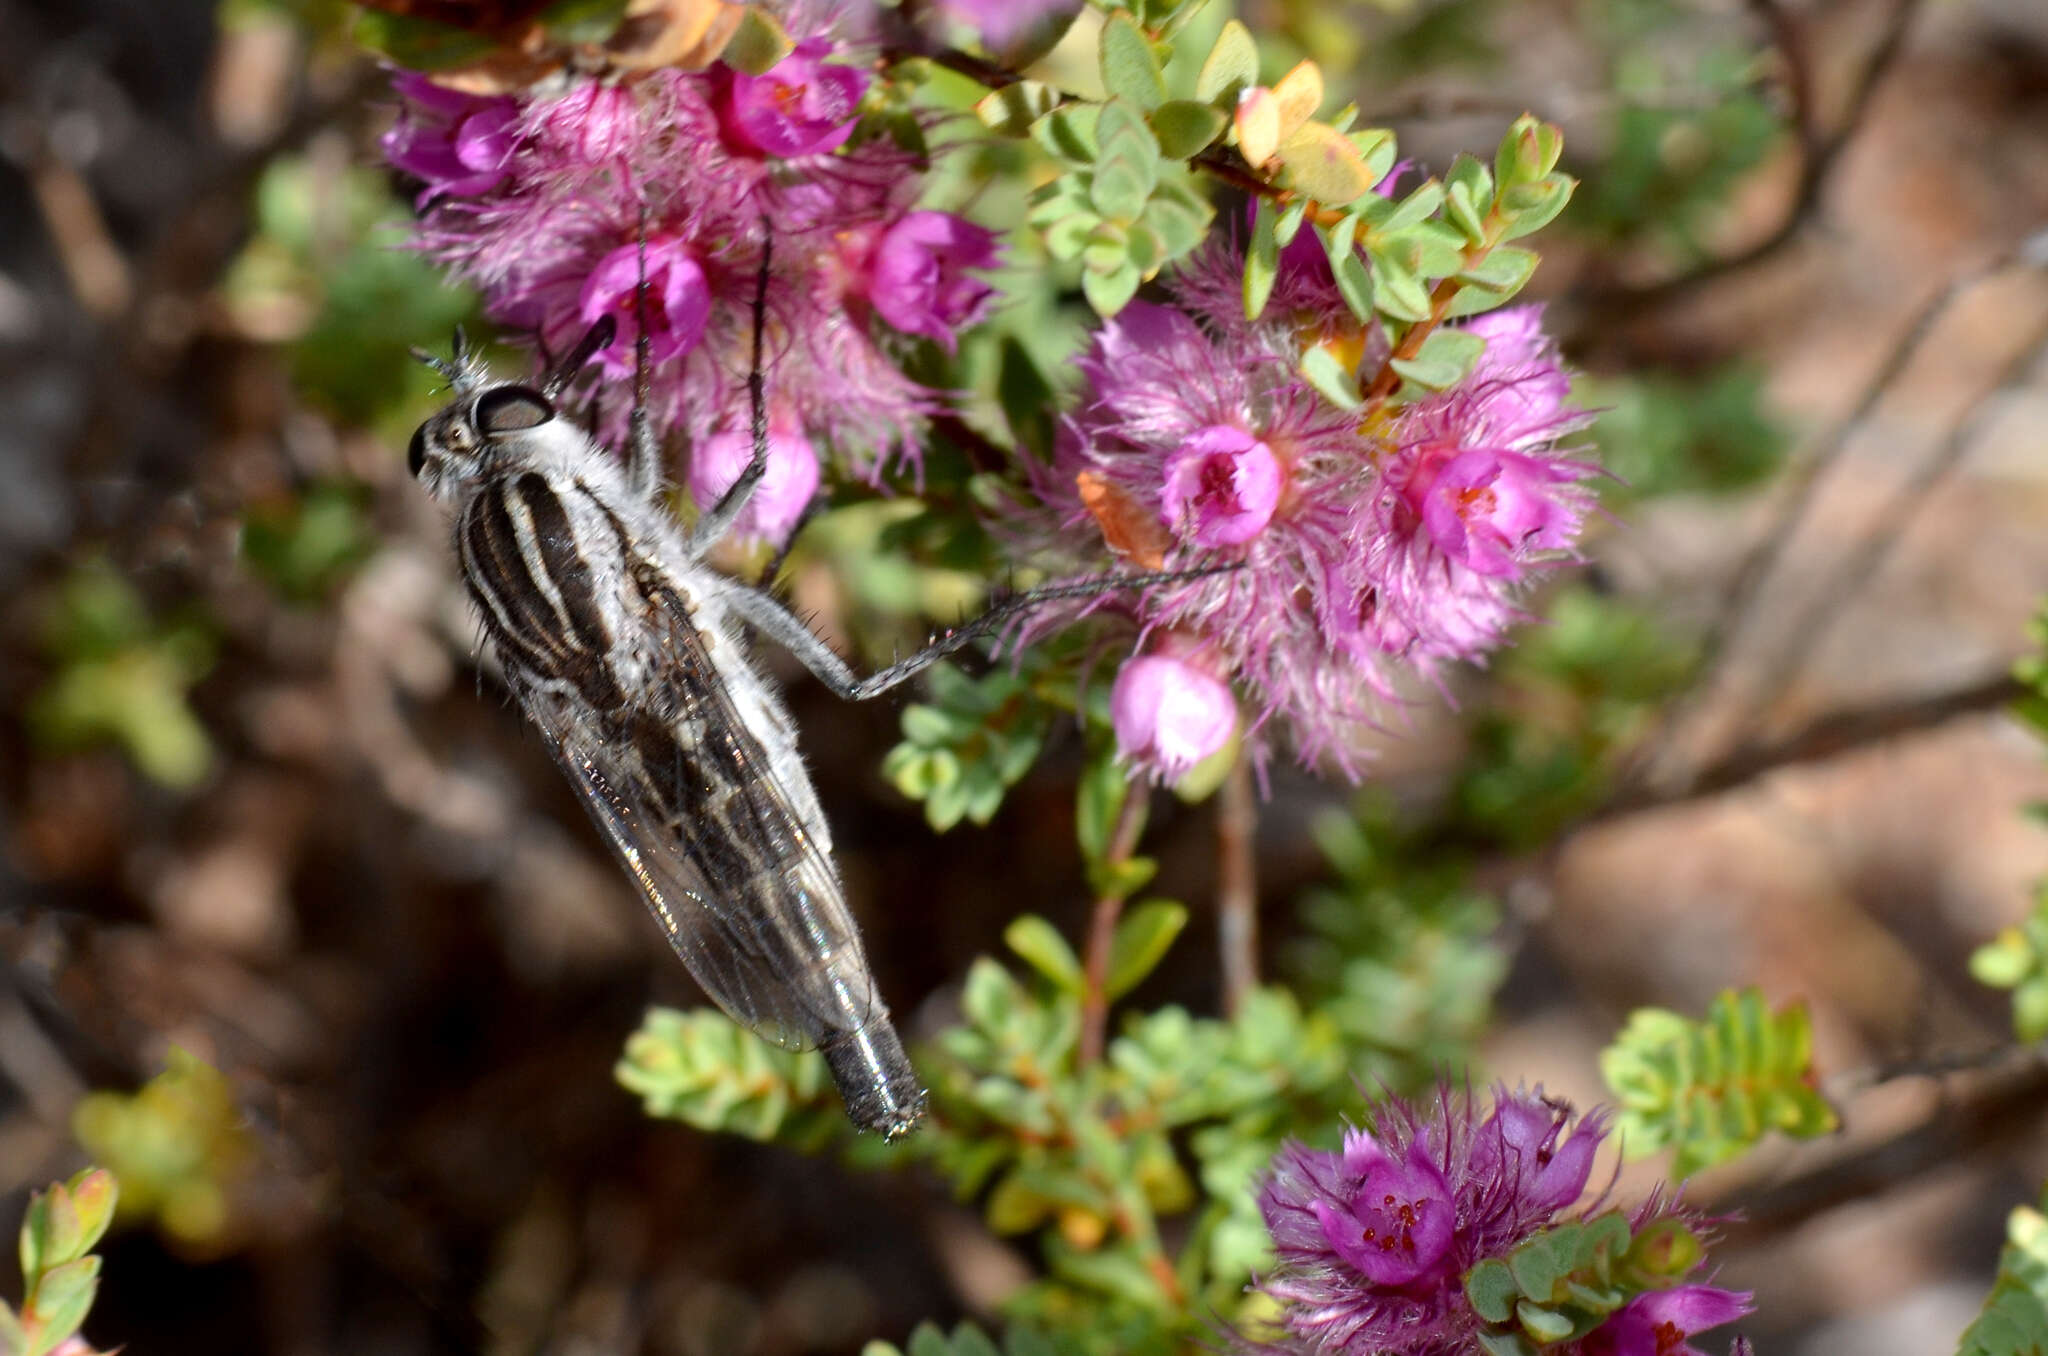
(695, 813)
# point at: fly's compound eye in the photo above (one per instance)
(416, 455)
(509, 409)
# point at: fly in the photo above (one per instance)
(625, 650)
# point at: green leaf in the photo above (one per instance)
(2014, 1319)
(1418, 206)
(1444, 360)
(1013, 109)
(1397, 292)
(1261, 261)
(1184, 127)
(63, 1296)
(1528, 208)
(1289, 224)
(420, 44)
(1528, 151)
(1231, 66)
(758, 44)
(1042, 947)
(1320, 161)
(705, 1070)
(1334, 381)
(1491, 1288)
(1541, 1323)
(1098, 801)
(1130, 70)
(1068, 132)
(1118, 188)
(581, 21)
(1108, 293)
(1711, 1089)
(1141, 942)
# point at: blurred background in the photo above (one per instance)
(261, 807)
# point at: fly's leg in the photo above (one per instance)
(643, 453)
(782, 626)
(719, 518)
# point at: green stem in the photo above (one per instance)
(1130, 821)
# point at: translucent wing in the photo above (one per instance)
(694, 810)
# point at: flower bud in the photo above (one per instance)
(1169, 715)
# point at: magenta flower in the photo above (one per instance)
(677, 301)
(1484, 507)
(1398, 1225)
(917, 275)
(596, 165)
(1221, 488)
(1525, 1139)
(455, 144)
(786, 489)
(1657, 1323)
(1169, 713)
(1374, 1240)
(803, 105)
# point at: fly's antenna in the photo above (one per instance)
(459, 369)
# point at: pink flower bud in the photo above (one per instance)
(1222, 486)
(677, 302)
(1169, 715)
(785, 491)
(803, 105)
(917, 279)
(457, 145)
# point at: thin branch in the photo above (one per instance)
(1829, 736)
(1130, 823)
(1862, 564)
(1798, 492)
(1237, 886)
(1819, 154)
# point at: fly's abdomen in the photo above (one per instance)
(881, 1091)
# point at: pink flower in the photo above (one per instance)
(786, 488)
(804, 105)
(1398, 1223)
(1487, 508)
(1521, 1140)
(1517, 377)
(1170, 714)
(917, 279)
(1222, 486)
(1657, 1323)
(457, 145)
(677, 301)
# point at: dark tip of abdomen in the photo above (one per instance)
(881, 1090)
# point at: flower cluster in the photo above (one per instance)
(1375, 1240)
(556, 205)
(1396, 537)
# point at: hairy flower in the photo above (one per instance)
(803, 105)
(1374, 1240)
(916, 277)
(1169, 713)
(695, 168)
(786, 488)
(1368, 545)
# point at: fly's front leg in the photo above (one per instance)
(782, 626)
(643, 450)
(719, 518)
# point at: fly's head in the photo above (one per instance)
(492, 426)
(489, 426)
